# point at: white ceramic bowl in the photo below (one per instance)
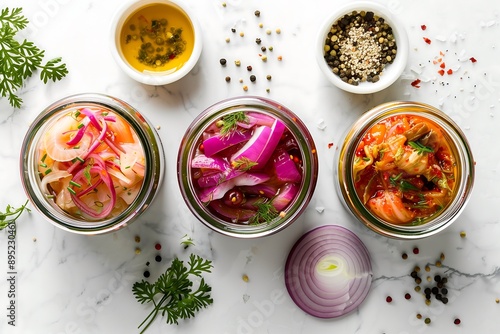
(153, 77)
(390, 73)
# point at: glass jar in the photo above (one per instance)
(190, 147)
(35, 166)
(461, 179)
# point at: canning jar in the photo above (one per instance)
(405, 170)
(243, 156)
(91, 163)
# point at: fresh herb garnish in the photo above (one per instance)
(172, 294)
(420, 148)
(243, 164)
(402, 184)
(18, 60)
(265, 212)
(229, 123)
(11, 214)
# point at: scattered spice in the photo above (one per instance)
(278, 31)
(228, 79)
(388, 299)
(253, 78)
(242, 34)
(258, 40)
(245, 88)
(137, 239)
(359, 46)
(427, 321)
(245, 278)
(146, 273)
(404, 256)
(137, 250)
(263, 49)
(416, 250)
(427, 40)
(249, 68)
(158, 258)
(237, 63)
(407, 296)
(457, 321)
(269, 77)
(280, 58)
(157, 246)
(416, 83)
(257, 13)
(463, 234)
(223, 61)
(423, 27)
(472, 59)
(268, 31)
(419, 316)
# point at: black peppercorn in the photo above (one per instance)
(253, 78)
(223, 61)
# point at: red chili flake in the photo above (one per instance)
(427, 40)
(457, 321)
(416, 83)
(416, 250)
(441, 72)
(450, 71)
(443, 65)
(472, 59)
(330, 145)
(423, 27)
(157, 246)
(388, 299)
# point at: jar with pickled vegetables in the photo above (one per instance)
(247, 167)
(91, 163)
(405, 170)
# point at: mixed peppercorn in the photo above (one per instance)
(359, 46)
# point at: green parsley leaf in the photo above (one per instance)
(19, 60)
(173, 294)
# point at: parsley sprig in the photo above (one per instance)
(172, 294)
(11, 214)
(18, 60)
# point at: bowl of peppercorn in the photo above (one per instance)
(155, 42)
(362, 48)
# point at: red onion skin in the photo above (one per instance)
(309, 290)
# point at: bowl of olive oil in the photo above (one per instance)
(155, 42)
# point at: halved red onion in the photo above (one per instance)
(328, 272)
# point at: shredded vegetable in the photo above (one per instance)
(91, 163)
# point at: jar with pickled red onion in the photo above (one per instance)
(405, 170)
(247, 167)
(91, 163)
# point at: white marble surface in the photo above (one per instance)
(69, 283)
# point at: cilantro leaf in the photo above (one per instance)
(172, 294)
